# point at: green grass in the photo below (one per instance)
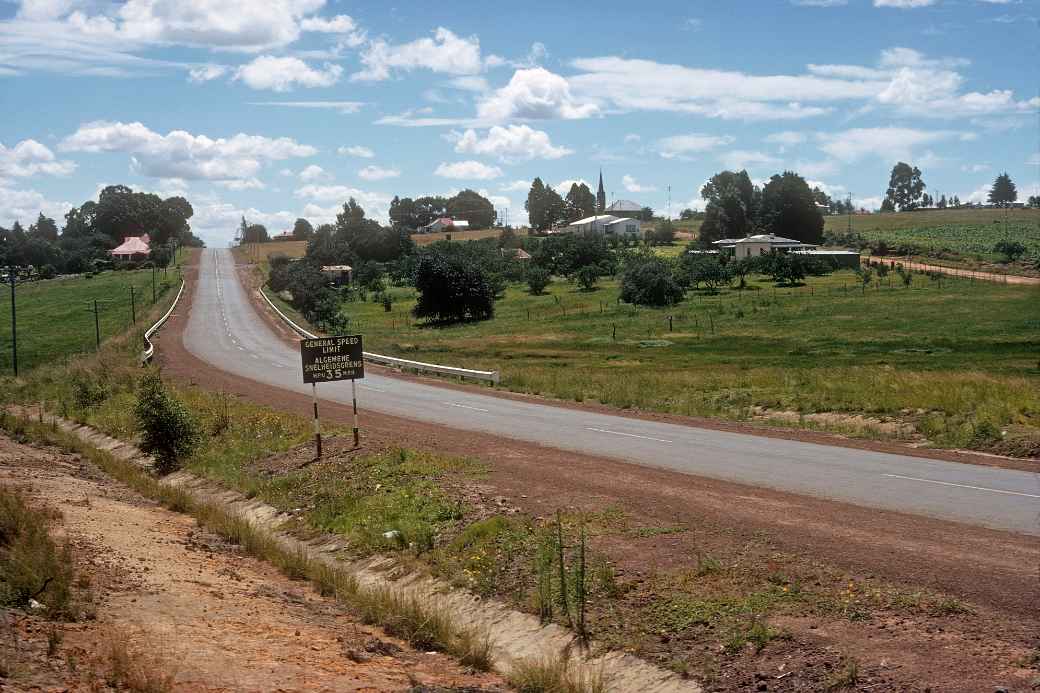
(56, 319)
(946, 359)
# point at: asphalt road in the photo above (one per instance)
(225, 330)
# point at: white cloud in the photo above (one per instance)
(206, 73)
(344, 107)
(282, 74)
(341, 24)
(904, 4)
(467, 170)
(889, 143)
(29, 158)
(180, 154)
(819, 3)
(1034, 160)
(739, 159)
(445, 52)
(356, 150)
(564, 186)
(534, 93)
(470, 83)
(26, 205)
(312, 173)
(376, 205)
(509, 144)
(632, 185)
(516, 186)
(378, 173)
(869, 203)
(632, 138)
(975, 168)
(242, 184)
(683, 146)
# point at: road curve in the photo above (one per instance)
(225, 330)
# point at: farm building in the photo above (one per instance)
(606, 224)
(761, 244)
(445, 224)
(338, 274)
(132, 248)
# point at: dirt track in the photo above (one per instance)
(217, 619)
(957, 272)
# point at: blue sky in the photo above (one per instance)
(286, 108)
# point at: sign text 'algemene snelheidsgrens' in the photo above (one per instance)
(332, 358)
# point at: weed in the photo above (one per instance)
(139, 670)
(555, 675)
(706, 565)
(847, 676)
(54, 639)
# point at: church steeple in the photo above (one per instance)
(601, 195)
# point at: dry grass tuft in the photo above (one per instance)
(555, 675)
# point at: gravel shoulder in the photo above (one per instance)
(215, 619)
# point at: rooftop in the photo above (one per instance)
(624, 206)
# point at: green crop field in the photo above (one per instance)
(948, 362)
(56, 319)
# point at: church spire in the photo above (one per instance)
(601, 195)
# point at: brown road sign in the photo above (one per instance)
(332, 358)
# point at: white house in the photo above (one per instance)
(443, 224)
(623, 208)
(761, 244)
(607, 224)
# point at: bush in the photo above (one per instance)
(168, 431)
(537, 279)
(705, 269)
(648, 280)
(1011, 250)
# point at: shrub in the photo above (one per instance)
(537, 279)
(1011, 250)
(648, 280)
(705, 269)
(168, 431)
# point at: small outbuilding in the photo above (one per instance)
(445, 224)
(132, 248)
(338, 274)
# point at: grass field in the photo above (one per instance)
(954, 363)
(56, 318)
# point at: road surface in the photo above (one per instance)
(225, 330)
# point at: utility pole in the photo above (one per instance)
(133, 306)
(12, 276)
(97, 327)
(849, 208)
(153, 283)
(669, 203)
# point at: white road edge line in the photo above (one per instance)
(628, 435)
(950, 483)
(465, 406)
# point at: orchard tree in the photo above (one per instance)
(905, 187)
(452, 289)
(1003, 191)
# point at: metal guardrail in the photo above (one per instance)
(488, 376)
(149, 350)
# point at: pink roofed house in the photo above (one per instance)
(132, 248)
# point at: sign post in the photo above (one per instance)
(328, 359)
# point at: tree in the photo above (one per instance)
(956, 202)
(302, 230)
(168, 431)
(255, 233)
(664, 233)
(1003, 191)
(705, 269)
(537, 279)
(731, 206)
(44, 229)
(545, 208)
(942, 201)
(788, 209)
(687, 214)
(905, 187)
(649, 280)
(1034, 201)
(452, 290)
(579, 203)
(472, 207)
(587, 277)
(782, 268)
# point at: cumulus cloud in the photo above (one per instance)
(344, 25)
(534, 93)
(378, 173)
(180, 154)
(26, 205)
(564, 186)
(445, 52)
(376, 205)
(632, 185)
(467, 170)
(357, 150)
(312, 173)
(509, 144)
(904, 4)
(740, 159)
(237, 185)
(516, 186)
(282, 74)
(206, 73)
(788, 138)
(344, 107)
(683, 146)
(29, 158)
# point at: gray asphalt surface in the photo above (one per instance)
(225, 330)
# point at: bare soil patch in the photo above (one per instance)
(210, 617)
